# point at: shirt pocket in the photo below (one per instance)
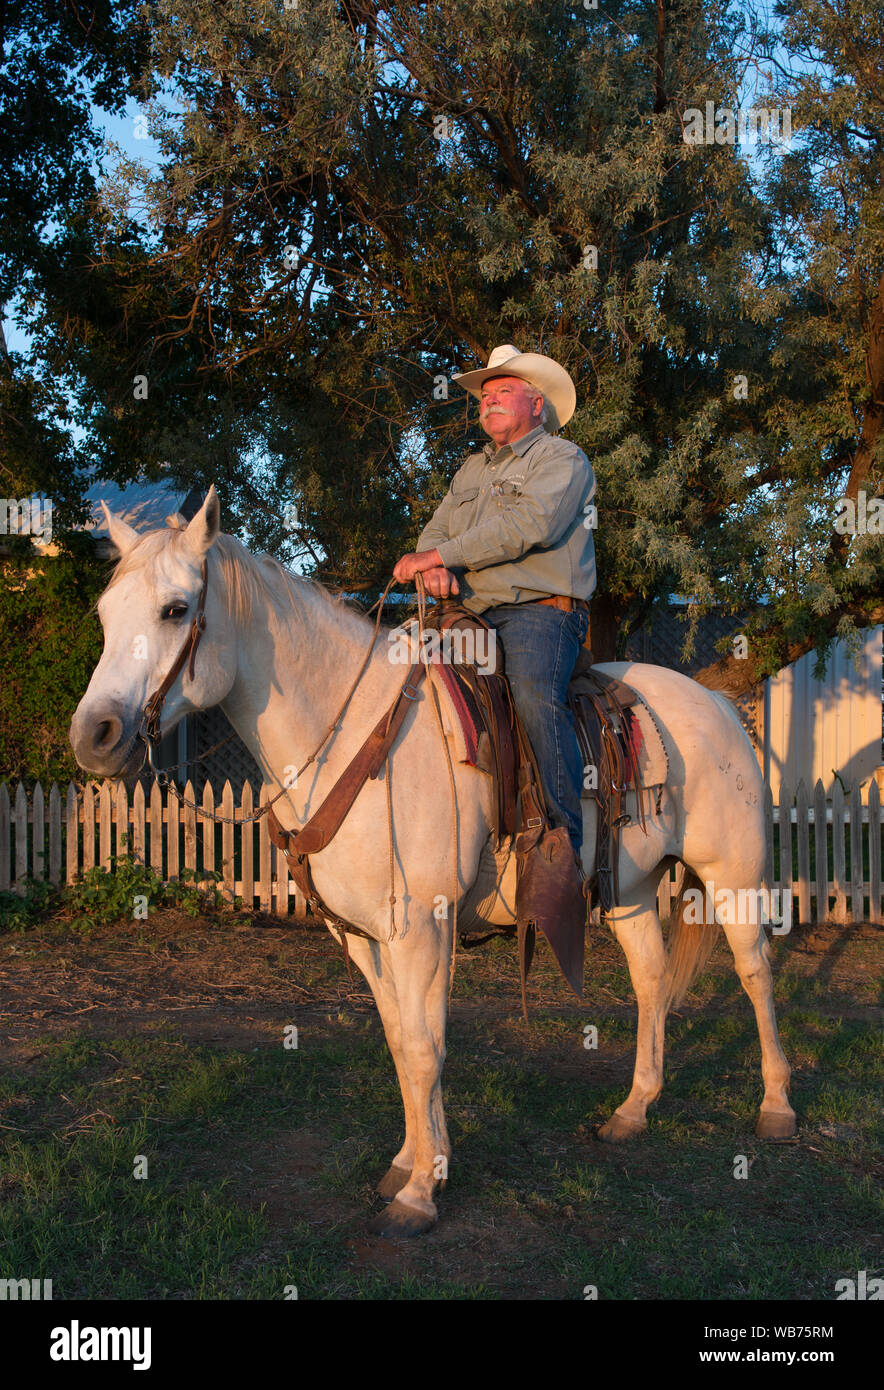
(463, 510)
(461, 495)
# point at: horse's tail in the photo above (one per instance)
(690, 944)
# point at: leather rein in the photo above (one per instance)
(323, 825)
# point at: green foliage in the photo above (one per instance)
(50, 643)
(19, 913)
(318, 249)
(56, 61)
(101, 896)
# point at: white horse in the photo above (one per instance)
(278, 654)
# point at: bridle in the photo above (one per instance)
(149, 729)
(368, 761)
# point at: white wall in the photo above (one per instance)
(811, 727)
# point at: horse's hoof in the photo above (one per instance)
(776, 1124)
(619, 1130)
(399, 1222)
(392, 1182)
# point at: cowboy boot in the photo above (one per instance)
(550, 894)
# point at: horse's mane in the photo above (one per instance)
(249, 579)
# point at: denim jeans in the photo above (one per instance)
(540, 646)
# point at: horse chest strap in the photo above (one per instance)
(323, 825)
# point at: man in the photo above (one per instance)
(513, 536)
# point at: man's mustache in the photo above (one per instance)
(493, 410)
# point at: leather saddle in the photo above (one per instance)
(608, 734)
(549, 895)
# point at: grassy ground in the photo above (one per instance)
(165, 1039)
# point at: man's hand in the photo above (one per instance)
(440, 582)
(415, 563)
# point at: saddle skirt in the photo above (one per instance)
(473, 741)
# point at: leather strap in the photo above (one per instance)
(560, 601)
(327, 820)
(150, 722)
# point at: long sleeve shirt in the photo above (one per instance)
(516, 523)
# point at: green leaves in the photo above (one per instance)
(352, 203)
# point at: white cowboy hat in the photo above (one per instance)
(539, 371)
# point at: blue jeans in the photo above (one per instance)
(540, 646)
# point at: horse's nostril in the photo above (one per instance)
(107, 733)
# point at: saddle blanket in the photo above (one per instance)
(653, 762)
(470, 744)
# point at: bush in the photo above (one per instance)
(50, 643)
(102, 896)
(17, 914)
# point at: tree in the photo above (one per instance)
(49, 651)
(56, 60)
(826, 196)
(356, 199)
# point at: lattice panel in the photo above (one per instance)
(233, 761)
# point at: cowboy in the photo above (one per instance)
(513, 536)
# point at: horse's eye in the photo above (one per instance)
(173, 610)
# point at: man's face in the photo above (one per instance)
(509, 408)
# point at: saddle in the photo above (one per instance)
(550, 891)
(608, 734)
(609, 738)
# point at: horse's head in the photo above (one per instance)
(147, 612)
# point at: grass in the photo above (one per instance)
(261, 1159)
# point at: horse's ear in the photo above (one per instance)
(121, 533)
(202, 531)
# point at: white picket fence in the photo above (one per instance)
(58, 840)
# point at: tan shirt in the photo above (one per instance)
(518, 522)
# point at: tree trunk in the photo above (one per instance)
(604, 624)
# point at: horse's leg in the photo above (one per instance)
(751, 950)
(373, 959)
(421, 962)
(637, 928)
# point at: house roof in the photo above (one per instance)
(143, 505)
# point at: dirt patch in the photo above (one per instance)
(211, 982)
(280, 1175)
(236, 985)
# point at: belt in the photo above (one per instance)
(567, 605)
